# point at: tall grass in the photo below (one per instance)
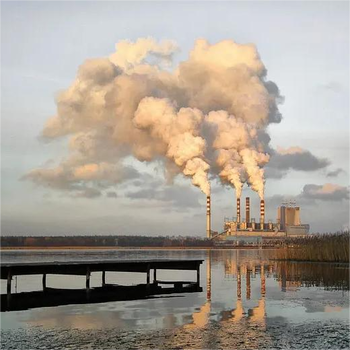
(320, 247)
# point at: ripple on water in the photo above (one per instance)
(317, 335)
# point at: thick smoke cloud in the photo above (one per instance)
(207, 115)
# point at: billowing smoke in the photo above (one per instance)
(207, 114)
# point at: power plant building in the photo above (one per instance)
(247, 230)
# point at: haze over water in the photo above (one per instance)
(248, 301)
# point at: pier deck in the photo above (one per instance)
(85, 268)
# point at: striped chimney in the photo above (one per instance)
(262, 214)
(247, 210)
(208, 218)
(238, 210)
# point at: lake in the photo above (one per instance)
(249, 301)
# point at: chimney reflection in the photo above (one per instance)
(239, 283)
(263, 282)
(258, 313)
(237, 313)
(201, 318)
(209, 276)
(248, 270)
(248, 284)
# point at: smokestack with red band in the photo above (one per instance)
(247, 209)
(208, 218)
(262, 214)
(238, 210)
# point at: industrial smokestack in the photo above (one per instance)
(262, 214)
(208, 218)
(247, 210)
(238, 210)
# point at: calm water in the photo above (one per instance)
(248, 302)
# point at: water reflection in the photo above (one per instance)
(250, 302)
(232, 328)
(201, 318)
(291, 276)
(329, 276)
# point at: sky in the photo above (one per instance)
(304, 47)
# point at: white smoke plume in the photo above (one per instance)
(207, 114)
(179, 132)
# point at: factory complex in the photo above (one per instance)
(238, 230)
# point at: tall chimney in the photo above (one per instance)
(238, 210)
(208, 218)
(247, 210)
(262, 214)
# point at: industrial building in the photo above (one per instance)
(246, 230)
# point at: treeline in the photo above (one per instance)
(318, 248)
(103, 241)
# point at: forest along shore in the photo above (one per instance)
(113, 242)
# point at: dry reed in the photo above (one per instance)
(318, 247)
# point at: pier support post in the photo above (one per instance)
(9, 279)
(44, 282)
(148, 279)
(148, 276)
(103, 278)
(155, 276)
(198, 274)
(88, 279)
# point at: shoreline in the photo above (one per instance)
(130, 248)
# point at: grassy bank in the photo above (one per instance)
(326, 248)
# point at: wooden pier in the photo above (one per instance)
(86, 268)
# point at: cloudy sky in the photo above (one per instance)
(304, 47)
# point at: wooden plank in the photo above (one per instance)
(79, 268)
